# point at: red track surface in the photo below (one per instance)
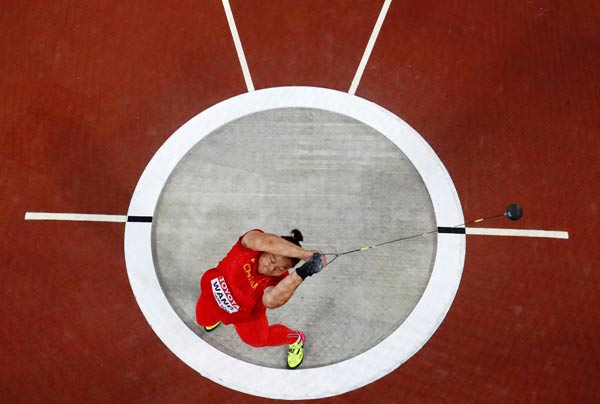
(507, 94)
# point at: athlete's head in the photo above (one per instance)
(275, 265)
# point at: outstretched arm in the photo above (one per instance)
(277, 296)
(273, 244)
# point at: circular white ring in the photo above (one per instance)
(324, 381)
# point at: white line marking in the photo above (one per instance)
(79, 217)
(518, 233)
(238, 45)
(370, 45)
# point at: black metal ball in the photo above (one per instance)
(514, 211)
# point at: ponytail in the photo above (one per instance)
(295, 237)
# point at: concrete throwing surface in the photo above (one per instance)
(341, 183)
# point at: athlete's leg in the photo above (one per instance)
(205, 313)
(259, 333)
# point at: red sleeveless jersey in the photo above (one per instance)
(236, 285)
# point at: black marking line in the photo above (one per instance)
(452, 230)
(140, 219)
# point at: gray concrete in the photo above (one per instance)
(342, 184)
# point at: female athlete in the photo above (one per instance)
(254, 277)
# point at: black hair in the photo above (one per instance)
(295, 237)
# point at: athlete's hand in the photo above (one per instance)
(309, 253)
(312, 266)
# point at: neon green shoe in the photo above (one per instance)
(212, 327)
(296, 352)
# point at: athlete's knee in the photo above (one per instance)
(256, 340)
(204, 316)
